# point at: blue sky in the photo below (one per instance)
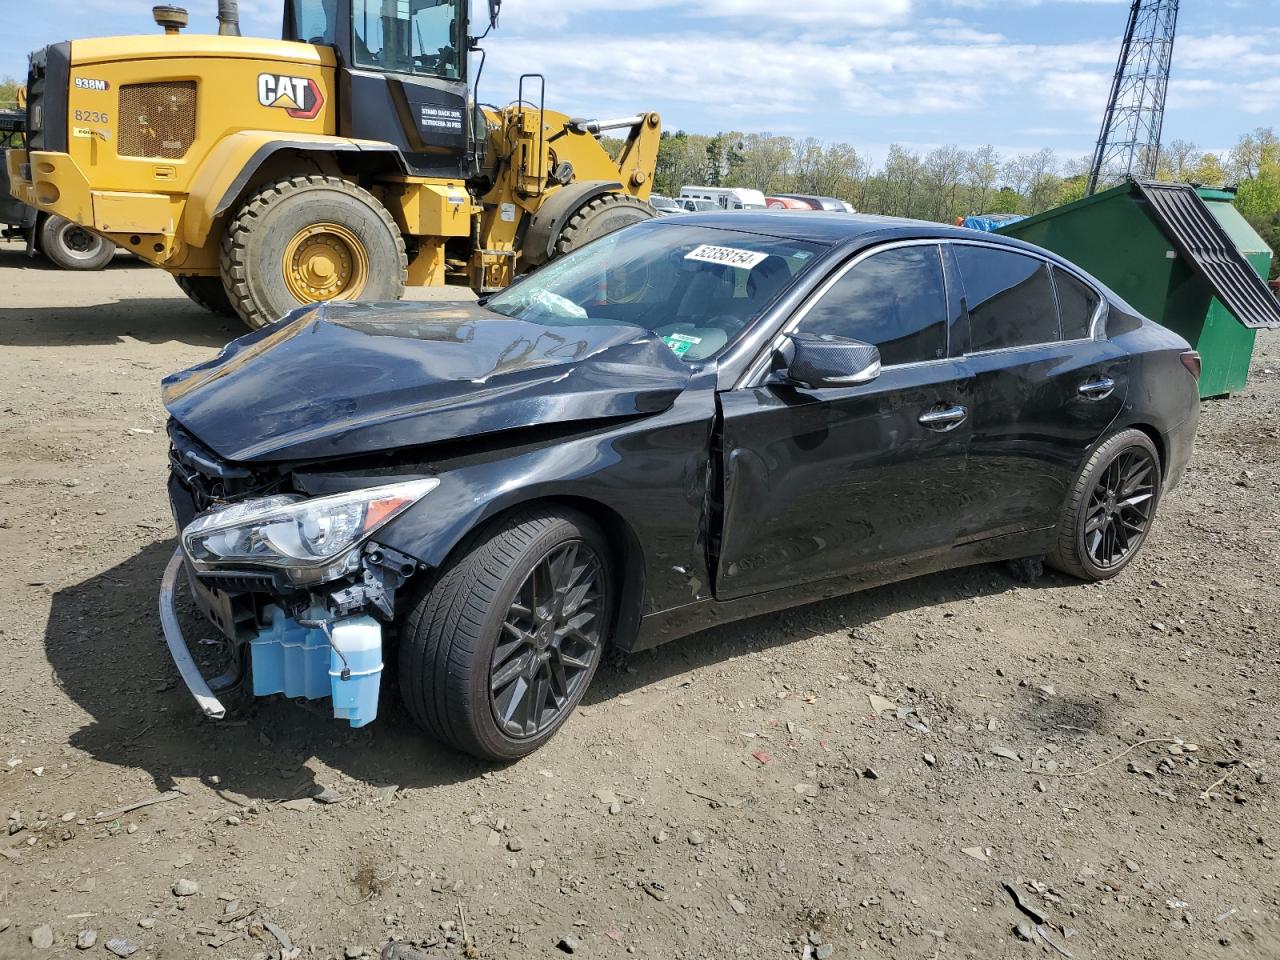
(1020, 74)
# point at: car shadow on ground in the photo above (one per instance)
(108, 656)
(152, 320)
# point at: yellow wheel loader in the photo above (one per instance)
(344, 161)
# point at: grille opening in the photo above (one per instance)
(157, 119)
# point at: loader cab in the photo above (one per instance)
(402, 74)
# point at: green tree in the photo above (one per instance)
(762, 162)
(1208, 170)
(983, 168)
(9, 88)
(682, 160)
(1177, 158)
(1004, 200)
(1072, 188)
(1252, 151)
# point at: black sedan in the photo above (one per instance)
(690, 421)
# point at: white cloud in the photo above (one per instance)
(987, 4)
(752, 80)
(1260, 96)
(856, 13)
(759, 13)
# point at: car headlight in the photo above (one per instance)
(311, 539)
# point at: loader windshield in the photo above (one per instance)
(696, 287)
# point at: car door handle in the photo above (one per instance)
(943, 419)
(1098, 389)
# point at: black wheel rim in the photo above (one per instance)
(76, 242)
(80, 241)
(550, 641)
(1120, 508)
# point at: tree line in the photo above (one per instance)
(946, 182)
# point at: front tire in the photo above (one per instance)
(72, 247)
(1110, 508)
(207, 292)
(600, 217)
(306, 239)
(498, 653)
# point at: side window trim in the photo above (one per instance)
(758, 369)
(957, 305)
(1096, 322)
(1099, 311)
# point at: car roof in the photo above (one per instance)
(856, 231)
(844, 229)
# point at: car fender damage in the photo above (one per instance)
(347, 397)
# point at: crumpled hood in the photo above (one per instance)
(347, 378)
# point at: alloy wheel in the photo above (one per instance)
(550, 641)
(1120, 508)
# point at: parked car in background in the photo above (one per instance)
(686, 422)
(787, 203)
(699, 206)
(65, 244)
(664, 206)
(727, 198)
(831, 204)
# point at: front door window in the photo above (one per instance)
(407, 36)
(895, 300)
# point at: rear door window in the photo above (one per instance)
(896, 300)
(1077, 304)
(1010, 298)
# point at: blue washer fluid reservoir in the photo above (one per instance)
(289, 658)
(360, 641)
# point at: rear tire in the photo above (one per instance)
(305, 239)
(483, 664)
(600, 217)
(207, 292)
(71, 247)
(1109, 509)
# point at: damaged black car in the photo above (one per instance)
(690, 421)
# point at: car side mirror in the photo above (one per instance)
(825, 360)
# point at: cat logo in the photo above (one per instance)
(299, 97)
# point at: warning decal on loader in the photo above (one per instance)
(299, 97)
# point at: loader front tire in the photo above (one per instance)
(207, 292)
(305, 239)
(601, 216)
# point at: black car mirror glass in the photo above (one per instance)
(824, 360)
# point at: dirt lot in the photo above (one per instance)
(732, 795)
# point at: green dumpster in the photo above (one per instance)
(1182, 256)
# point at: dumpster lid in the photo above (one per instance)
(1202, 241)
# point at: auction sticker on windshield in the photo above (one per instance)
(729, 256)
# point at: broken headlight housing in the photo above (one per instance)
(309, 539)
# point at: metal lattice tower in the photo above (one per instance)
(1129, 143)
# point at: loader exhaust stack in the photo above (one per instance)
(228, 18)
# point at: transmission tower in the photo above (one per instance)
(1129, 143)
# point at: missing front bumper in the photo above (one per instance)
(314, 658)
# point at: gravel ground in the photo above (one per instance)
(873, 776)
